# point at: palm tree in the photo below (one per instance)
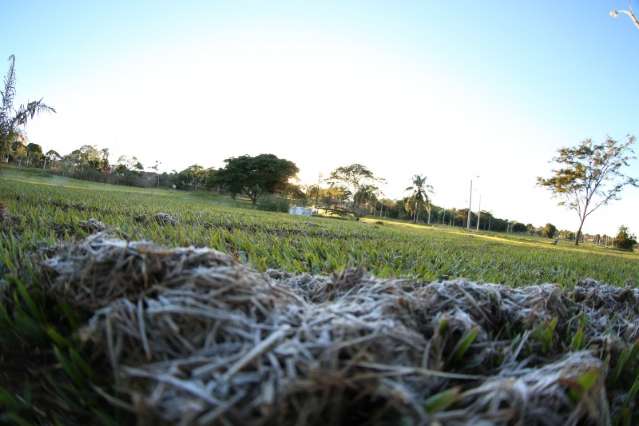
(11, 119)
(420, 194)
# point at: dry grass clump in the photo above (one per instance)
(158, 218)
(101, 269)
(92, 226)
(193, 337)
(165, 219)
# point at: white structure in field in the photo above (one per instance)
(300, 211)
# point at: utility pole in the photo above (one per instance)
(470, 205)
(319, 180)
(478, 212)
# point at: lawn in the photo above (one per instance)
(51, 208)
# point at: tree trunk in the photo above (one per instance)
(429, 216)
(578, 236)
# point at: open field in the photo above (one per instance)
(412, 350)
(51, 208)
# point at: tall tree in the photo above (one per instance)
(12, 119)
(589, 176)
(549, 230)
(365, 195)
(51, 157)
(193, 177)
(254, 176)
(420, 191)
(34, 153)
(353, 178)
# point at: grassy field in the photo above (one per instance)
(51, 208)
(49, 376)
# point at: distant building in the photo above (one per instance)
(300, 211)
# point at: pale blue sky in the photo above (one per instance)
(449, 89)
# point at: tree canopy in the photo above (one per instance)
(254, 176)
(356, 180)
(549, 230)
(589, 176)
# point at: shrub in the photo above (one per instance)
(549, 230)
(624, 240)
(273, 203)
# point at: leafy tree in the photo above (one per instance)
(313, 192)
(590, 176)
(50, 158)
(34, 153)
(128, 166)
(254, 176)
(294, 192)
(104, 163)
(354, 178)
(12, 119)
(18, 152)
(420, 195)
(365, 195)
(87, 157)
(193, 177)
(210, 181)
(624, 240)
(334, 195)
(549, 230)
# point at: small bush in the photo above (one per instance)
(273, 203)
(549, 231)
(624, 240)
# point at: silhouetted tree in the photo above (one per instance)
(549, 230)
(254, 176)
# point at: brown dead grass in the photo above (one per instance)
(193, 337)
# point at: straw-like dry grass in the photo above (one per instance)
(193, 337)
(113, 330)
